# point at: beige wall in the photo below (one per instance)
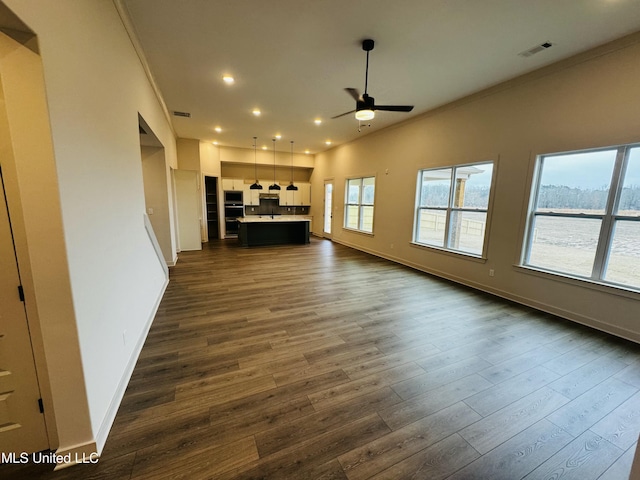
(95, 90)
(209, 159)
(265, 157)
(188, 154)
(589, 101)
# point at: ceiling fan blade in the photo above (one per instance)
(354, 93)
(394, 108)
(343, 114)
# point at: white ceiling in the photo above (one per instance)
(293, 58)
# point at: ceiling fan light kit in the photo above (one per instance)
(363, 115)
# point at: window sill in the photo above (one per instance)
(453, 253)
(619, 290)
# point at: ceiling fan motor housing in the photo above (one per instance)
(367, 103)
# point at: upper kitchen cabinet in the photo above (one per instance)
(304, 193)
(300, 197)
(232, 184)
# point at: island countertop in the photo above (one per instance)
(274, 218)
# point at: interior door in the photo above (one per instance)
(188, 207)
(328, 208)
(22, 427)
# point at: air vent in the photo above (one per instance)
(182, 114)
(536, 49)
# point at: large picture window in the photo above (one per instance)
(584, 219)
(358, 212)
(452, 206)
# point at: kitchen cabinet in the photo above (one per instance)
(232, 184)
(290, 198)
(304, 194)
(257, 230)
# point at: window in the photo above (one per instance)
(584, 219)
(452, 205)
(358, 212)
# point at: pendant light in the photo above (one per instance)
(291, 186)
(255, 186)
(275, 186)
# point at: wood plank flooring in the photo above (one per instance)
(322, 362)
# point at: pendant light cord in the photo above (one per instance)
(255, 158)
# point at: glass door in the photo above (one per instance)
(328, 207)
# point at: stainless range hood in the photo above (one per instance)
(269, 196)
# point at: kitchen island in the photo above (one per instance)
(255, 230)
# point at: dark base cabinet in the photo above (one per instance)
(251, 234)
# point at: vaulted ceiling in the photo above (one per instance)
(292, 59)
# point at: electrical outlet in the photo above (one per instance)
(491, 272)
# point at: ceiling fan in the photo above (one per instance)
(365, 105)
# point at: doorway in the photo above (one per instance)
(156, 189)
(328, 208)
(211, 192)
(22, 425)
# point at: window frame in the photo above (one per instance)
(450, 208)
(609, 217)
(360, 204)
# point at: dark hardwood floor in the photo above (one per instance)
(322, 362)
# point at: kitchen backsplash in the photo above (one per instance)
(271, 207)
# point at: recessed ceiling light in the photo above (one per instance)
(306, 152)
(218, 129)
(317, 121)
(278, 136)
(264, 147)
(256, 112)
(228, 79)
(328, 142)
(214, 142)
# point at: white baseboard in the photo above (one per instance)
(84, 453)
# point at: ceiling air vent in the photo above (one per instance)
(536, 49)
(182, 114)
